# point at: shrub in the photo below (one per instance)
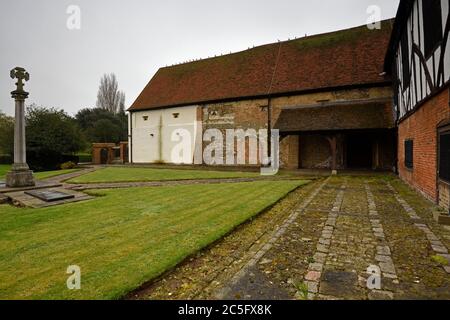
(5, 159)
(84, 157)
(51, 134)
(68, 165)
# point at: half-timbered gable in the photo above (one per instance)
(419, 60)
(419, 54)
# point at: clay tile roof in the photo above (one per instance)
(376, 115)
(337, 59)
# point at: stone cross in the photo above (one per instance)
(20, 74)
(21, 175)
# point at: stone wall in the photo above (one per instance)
(252, 114)
(247, 114)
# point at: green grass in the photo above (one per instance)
(50, 174)
(121, 174)
(122, 238)
(4, 168)
(84, 157)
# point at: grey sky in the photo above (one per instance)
(134, 38)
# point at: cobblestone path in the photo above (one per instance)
(336, 238)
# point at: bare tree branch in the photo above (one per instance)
(109, 97)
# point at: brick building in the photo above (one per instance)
(419, 60)
(327, 94)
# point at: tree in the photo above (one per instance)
(109, 97)
(100, 125)
(104, 130)
(51, 135)
(6, 134)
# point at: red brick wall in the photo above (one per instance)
(421, 126)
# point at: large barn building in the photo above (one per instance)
(327, 94)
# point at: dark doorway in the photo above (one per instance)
(104, 156)
(359, 151)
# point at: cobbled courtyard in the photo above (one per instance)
(324, 241)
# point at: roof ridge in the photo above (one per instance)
(346, 59)
(272, 44)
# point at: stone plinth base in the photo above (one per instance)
(18, 179)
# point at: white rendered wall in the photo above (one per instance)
(154, 139)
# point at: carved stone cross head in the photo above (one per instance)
(20, 74)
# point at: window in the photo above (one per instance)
(444, 156)
(175, 115)
(405, 61)
(432, 25)
(409, 154)
(145, 118)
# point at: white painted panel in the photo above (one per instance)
(437, 57)
(422, 46)
(444, 6)
(430, 69)
(129, 119)
(155, 133)
(416, 24)
(182, 127)
(447, 62)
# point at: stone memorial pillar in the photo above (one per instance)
(20, 175)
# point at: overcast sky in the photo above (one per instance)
(134, 38)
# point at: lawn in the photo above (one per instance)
(122, 238)
(122, 174)
(4, 168)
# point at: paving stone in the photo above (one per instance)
(326, 242)
(316, 266)
(439, 249)
(265, 261)
(390, 275)
(383, 258)
(432, 237)
(320, 257)
(313, 276)
(383, 250)
(421, 225)
(327, 235)
(3, 199)
(341, 284)
(331, 222)
(323, 248)
(387, 267)
(380, 295)
(437, 243)
(313, 286)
